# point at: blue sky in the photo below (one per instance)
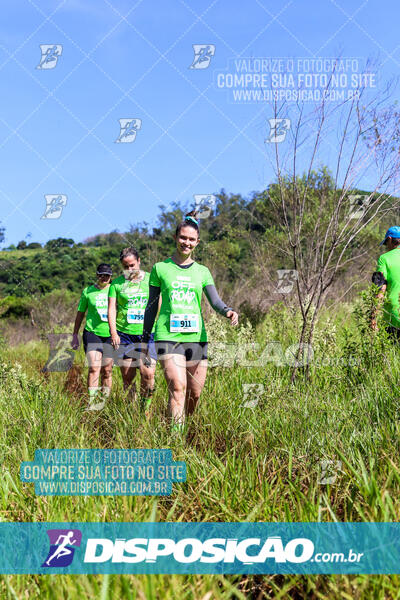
(125, 60)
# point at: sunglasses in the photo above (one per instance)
(103, 275)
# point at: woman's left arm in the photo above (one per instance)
(220, 306)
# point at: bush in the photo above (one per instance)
(55, 311)
(11, 306)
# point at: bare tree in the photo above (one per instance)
(325, 217)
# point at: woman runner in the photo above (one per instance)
(96, 337)
(127, 299)
(180, 334)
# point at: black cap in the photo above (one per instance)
(104, 269)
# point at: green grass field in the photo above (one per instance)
(260, 463)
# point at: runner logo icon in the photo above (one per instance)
(54, 206)
(203, 54)
(128, 130)
(278, 130)
(63, 543)
(204, 204)
(50, 55)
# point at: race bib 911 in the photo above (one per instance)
(184, 323)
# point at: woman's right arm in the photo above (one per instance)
(150, 312)
(77, 324)
(112, 316)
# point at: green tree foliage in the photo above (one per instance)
(105, 239)
(59, 243)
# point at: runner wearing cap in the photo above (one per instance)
(127, 299)
(387, 277)
(180, 334)
(96, 337)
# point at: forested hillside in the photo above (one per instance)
(242, 241)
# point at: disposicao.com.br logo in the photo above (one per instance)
(191, 550)
(252, 548)
(213, 550)
(187, 550)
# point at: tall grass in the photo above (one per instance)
(259, 463)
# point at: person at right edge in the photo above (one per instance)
(387, 278)
(180, 334)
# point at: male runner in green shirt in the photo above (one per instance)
(387, 277)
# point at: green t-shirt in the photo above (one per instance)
(389, 265)
(95, 301)
(180, 317)
(132, 298)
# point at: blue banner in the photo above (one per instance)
(251, 548)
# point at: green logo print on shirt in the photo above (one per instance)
(135, 308)
(102, 306)
(183, 298)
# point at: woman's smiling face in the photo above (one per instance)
(186, 240)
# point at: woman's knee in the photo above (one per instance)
(177, 387)
(147, 377)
